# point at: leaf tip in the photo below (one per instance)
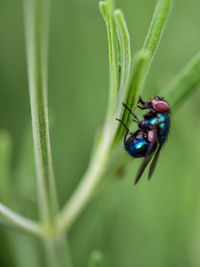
(102, 7)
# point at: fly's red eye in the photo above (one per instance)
(161, 106)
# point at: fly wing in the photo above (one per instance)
(143, 166)
(149, 154)
(154, 162)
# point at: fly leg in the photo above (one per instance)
(142, 102)
(130, 111)
(127, 129)
(131, 138)
(133, 135)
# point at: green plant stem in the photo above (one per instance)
(101, 156)
(19, 222)
(36, 40)
(37, 14)
(86, 189)
(57, 251)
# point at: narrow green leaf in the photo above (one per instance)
(137, 78)
(102, 7)
(95, 259)
(184, 84)
(125, 49)
(107, 10)
(134, 88)
(157, 26)
(151, 44)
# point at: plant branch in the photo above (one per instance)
(88, 185)
(37, 14)
(36, 21)
(101, 155)
(20, 222)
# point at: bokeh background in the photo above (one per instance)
(154, 224)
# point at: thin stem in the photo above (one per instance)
(93, 175)
(88, 185)
(35, 22)
(20, 222)
(57, 251)
(36, 26)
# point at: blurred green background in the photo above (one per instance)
(154, 224)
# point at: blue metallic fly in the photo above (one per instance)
(151, 135)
